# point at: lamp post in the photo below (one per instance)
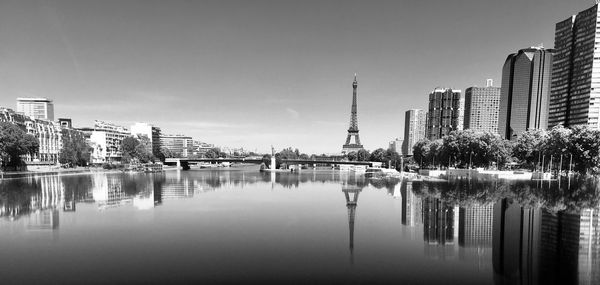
(471, 160)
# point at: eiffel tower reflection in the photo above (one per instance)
(351, 193)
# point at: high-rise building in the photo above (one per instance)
(149, 131)
(575, 90)
(446, 111)
(524, 95)
(396, 145)
(414, 129)
(482, 105)
(37, 108)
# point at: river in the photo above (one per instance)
(326, 227)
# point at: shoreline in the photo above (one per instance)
(58, 171)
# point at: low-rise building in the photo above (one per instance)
(178, 145)
(46, 132)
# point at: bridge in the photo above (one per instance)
(182, 162)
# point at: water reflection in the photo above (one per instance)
(516, 232)
(540, 232)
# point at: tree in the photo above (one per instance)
(421, 152)
(352, 156)
(378, 155)
(75, 150)
(392, 157)
(584, 146)
(363, 155)
(128, 148)
(137, 150)
(167, 153)
(14, 143)
(528, 147)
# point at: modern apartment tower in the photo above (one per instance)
(524, 96)
(414, 129)
(446, 111)
(575, 90)
(36, 108)
(482, 105)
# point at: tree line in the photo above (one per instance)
(576, 148)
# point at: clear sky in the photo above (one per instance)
(258, 73)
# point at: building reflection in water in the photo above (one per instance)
(534, 246)
(36, 198)
(412, 206)
(475, 234)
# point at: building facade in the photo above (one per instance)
(446, 111)
(106, 141)
(396, 145)
(414, 129)
(575, 90)
(37, 108)
(47, 133)
(151, 132)
(178, 145)
(482, 105)
(525, 92)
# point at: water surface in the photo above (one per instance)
(313, 227)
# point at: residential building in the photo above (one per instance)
(524, 96)
(151, 132)
(482, 105)
(106, 142)
(446, 111)
(414, 129)
(575, 89)
(178, 145)
(201, 148)
(49, 136)
(396, 145)
(47, 132)
(37, 108)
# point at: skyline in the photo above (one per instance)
(260, 73)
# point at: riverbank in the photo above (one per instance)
(56, 171)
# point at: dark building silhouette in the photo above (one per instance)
(535, 246)
(575, 95)
(525, 91)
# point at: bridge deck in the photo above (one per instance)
(259, 161)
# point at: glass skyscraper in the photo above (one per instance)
(575, 91)
(524, 96)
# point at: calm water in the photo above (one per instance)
(313, 227)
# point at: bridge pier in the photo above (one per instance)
(179, 164)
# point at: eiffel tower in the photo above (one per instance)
(353, 130)
(351, 194)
